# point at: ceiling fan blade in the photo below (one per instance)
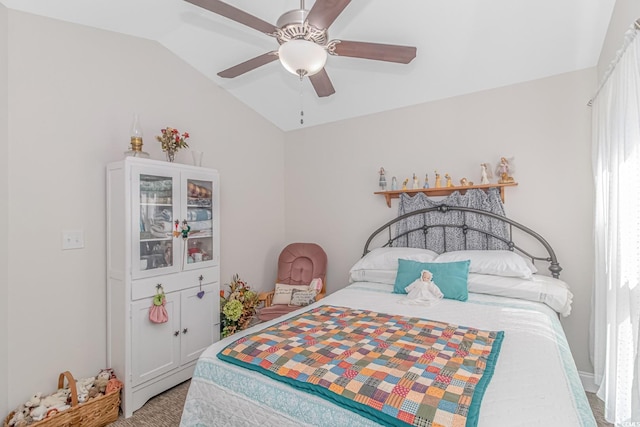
(377, 51)
(249, 65)
(228, 11)
(322, 84)
(324, 12)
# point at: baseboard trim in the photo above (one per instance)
(588, 382)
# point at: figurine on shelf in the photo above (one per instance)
(426, 181)
(438, 180)
(383, 181)
(464, 182)
(485, 173)
(394, 183)
(504, 171)
(416, 185)
(404, 184)
(448, 178)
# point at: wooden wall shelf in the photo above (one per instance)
(443, 191)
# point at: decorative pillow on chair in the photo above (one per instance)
(316, 284)
(450, 277)
(282, 294)
(302, 298)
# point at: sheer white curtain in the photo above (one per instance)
(616, 296)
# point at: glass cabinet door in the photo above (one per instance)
(155, 249)
(200, 215)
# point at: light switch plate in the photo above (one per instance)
(72, 239)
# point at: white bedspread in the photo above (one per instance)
(535, 383)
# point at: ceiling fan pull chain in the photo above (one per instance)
(301, 103)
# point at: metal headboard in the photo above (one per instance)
(551, 258)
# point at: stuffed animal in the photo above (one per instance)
(54, 400)
(51, 412)
(18, 419)
(65, 394)
(109, 371)
(34, 401)
(100, 384)
(82, 386)
(39, 412)
(114, 384)
(27, 420)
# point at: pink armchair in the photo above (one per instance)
(298, 264)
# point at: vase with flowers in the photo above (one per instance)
(172, 140)
(238, 308)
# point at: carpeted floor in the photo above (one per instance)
(597, 406)
(165, 410)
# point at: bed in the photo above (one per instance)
(533, 379)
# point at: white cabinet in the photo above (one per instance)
(149, 205)
(160, 348)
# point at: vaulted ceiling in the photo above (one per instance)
(462, 47)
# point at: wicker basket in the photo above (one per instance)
(96, 412)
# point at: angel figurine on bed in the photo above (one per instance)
(423, 291)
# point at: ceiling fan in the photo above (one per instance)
(304, 42)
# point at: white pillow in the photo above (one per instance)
(377, 276)
(386, 259)
(529, 263)
(282, 294)
(553, 292)
(498, 263)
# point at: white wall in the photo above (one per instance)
(331, 173)
(72, 92)
(4, 186)
(624, 14)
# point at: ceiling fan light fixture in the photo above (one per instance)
(302, 57)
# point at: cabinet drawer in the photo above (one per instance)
(145, 288)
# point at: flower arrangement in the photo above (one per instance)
(238, 308)
(172, 140)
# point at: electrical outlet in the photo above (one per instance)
(72, 239)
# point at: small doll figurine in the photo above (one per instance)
(448, 178)
(485, 173)
(185, 229)
(383, 181)
(426, 181)
(176, 232)
(416, 185)
(464, 182)
(394, 183)
(438, 180)
(423, 291)
(404, 183)
(504, 171)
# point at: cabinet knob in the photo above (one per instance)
(176, 333)
(185, 330)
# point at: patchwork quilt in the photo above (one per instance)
(395, 370)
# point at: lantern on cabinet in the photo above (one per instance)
(136, 140)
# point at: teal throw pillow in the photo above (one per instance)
(450, 277)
